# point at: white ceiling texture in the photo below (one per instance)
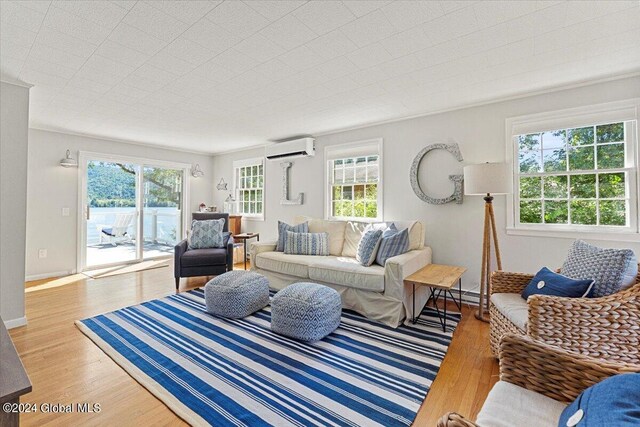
(215, 76)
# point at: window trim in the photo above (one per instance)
(626, 110)
(256, 161)
(351, 150)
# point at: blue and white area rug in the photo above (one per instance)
(224, 372)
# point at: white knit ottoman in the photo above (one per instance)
(236, 294)
(306, 311)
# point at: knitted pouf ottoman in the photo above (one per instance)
(236, 294)
(306, 311)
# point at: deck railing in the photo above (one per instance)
(160, 226)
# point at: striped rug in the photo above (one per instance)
(223, 372)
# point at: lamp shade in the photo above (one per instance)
(487, 178)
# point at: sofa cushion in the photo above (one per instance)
(279, 262)
(416, 233)
(509, 405)
(513, 307)
(354, 230)
(200, 257)
(352, 234)
(347, 272)
(335, 229)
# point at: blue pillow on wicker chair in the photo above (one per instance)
(546, 282)
(612, 402)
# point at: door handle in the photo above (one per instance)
(88, 212)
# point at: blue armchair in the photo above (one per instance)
(203, 262)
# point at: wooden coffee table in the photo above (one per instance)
(440, 279)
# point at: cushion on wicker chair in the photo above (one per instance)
(612, 402)
(513, 307)
(546, 282)
(611, 269)
(306, 311)
(236, 294)
(509, 405)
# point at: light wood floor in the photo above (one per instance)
(66, 367)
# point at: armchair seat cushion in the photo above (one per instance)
(200, 257)
(509, 405)
(513, 307)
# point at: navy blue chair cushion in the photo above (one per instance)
(546, 282)
(612, 402)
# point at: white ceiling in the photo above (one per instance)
(215, 76)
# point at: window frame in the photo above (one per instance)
(622, 111)
(247, 163)
(365, 148)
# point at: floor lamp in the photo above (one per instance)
(487, 179)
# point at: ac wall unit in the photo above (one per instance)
(303, 147)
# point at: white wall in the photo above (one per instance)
(453, 231)
(52, 187)
(14, 121)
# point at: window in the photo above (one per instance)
(354, 181)
(249, 185)
(580, 177)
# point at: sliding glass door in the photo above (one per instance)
(110, 213)
(130, 210)
(162, 210)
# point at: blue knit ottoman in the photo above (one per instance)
(236, 294)
(306, 311)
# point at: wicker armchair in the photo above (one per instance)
(607, 327)
(548, 370)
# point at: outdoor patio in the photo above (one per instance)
(102, 254)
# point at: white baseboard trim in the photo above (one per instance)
(14, 323)
(48, 275)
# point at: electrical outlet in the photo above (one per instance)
(42, 253)
(65, 212)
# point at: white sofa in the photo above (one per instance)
(376, 292)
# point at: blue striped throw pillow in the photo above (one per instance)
(283, 227)
(393, 243)
(368, 247)
(306, 243)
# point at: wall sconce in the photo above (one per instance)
(197, 172)
(68, 161)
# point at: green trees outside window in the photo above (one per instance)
(250, 183)
(354, 187)
(574, 176)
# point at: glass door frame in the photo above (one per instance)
(84, 158)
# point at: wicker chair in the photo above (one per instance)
(556, 373)
(607, 327)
